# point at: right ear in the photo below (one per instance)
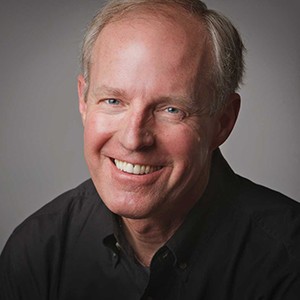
(81, 86)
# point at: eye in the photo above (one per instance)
(172, 113)
(112, 101)
(111, 105)
(173, 110)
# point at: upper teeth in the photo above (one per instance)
(134, 169)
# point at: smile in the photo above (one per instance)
(134, 168)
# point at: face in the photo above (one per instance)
(148, 141)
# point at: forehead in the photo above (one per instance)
(168, 37)
(167, 23)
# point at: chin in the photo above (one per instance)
(129, 210)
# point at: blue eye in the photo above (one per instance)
(173, 113)
(112, 101)
(173, 110)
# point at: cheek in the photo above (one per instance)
(98, 130)
(190, 152)
(186, 141)
(193, 153)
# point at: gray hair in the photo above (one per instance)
(228, 49)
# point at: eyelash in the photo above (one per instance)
(173, 110)
(112, 101)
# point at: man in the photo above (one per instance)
(164, 216)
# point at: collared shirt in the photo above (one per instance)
(240, 241)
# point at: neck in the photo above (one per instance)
(147, 236)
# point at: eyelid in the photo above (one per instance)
(178, 115)
(113, 100)
(175, 108)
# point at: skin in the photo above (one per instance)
(140, 108)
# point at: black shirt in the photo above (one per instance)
(240, 241)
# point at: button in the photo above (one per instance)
(115, 259)
(183, 265)
(118, 246)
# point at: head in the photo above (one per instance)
(150, 100)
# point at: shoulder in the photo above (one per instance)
(58, 219)
(73, 197)
(34, 253)
(74, 201)
(260, 201)
(274, 214)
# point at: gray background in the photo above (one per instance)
(41, 152)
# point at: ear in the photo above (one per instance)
(225, 119)
(81, 97)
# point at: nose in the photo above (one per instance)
(136, 132)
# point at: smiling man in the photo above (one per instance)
(163, 216)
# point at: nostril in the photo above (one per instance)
(135, 138)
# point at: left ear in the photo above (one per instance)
(81, 85)
(225, 119)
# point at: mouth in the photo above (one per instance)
(135, 169)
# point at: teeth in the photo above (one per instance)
(147, 169)
(128, 168)
(135, 169)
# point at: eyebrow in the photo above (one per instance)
(181, 100)
(104, 89)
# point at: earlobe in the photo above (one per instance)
(226, 119)
(81, 85)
